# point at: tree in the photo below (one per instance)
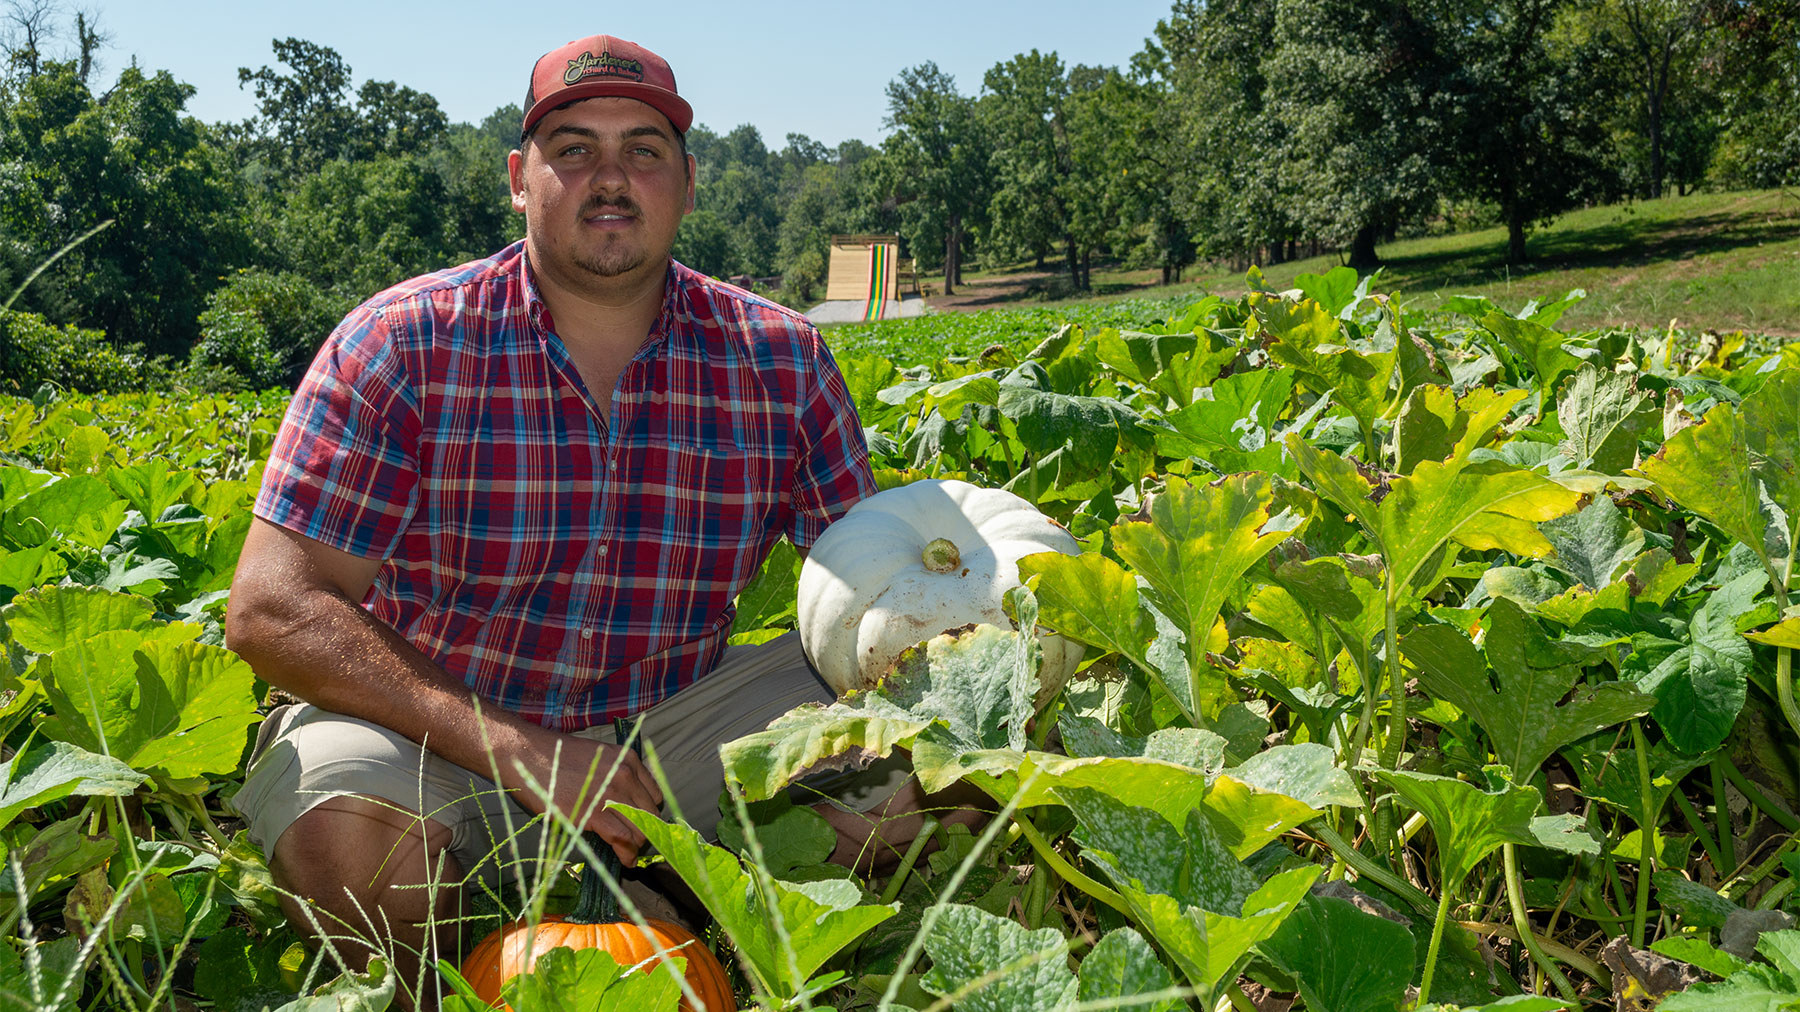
(1527, 136)
(936, 161)
(1234, 196)
(305, 117)
(1356, 85)
(1024, 112)
(131, 157)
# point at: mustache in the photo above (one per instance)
(615, 205)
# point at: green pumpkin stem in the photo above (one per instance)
(596, 904)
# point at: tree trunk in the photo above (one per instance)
(1515, 232)
(1074, 261)
(950, 257)
(956, 239)
(1166, 271)
(1087, 271)
(1362, 249)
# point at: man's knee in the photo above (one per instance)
(350, 852)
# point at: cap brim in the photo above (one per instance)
(671, 105)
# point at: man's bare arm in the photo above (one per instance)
(295, 615)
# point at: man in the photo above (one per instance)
(514, 500)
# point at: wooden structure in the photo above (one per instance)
(867, 267)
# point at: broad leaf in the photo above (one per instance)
(1603, 414)
(590, 979)
(1771, 424)
(1706, 468)
(1701, 687)
(765, 762)
(1593, 542)
(50, 618)
(769, 600)
(1203, 908)
(1198, 542)
(1519, 709)
(176, 709)
(1342, 959)
(57, 770)
(819, 918)
(1002, 966)
(1122, 965)
(1467, 822)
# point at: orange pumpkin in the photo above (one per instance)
(595, 924)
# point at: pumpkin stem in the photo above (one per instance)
(941, 555)
(596, 904)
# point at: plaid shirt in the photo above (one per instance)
(567, 567)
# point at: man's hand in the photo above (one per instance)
(575, 771)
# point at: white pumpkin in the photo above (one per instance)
(911, 562)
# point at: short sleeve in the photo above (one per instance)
(344, 468)
(833, 472)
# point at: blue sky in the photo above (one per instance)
(807, 67)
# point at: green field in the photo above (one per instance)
(1707, 261)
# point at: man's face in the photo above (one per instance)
(603, 186)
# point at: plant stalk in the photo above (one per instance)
(1722, 820)
(1437, 941)
(1758, 798)
(1515, 897)
(1647, 824)
(1369, 868)
(1068, 872)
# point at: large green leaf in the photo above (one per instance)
(1308, 340)
(1771, 424)
(592, 981)
(57, 770)
(1342, 959)
(80, 509)
(1232, 429)
(1594, 542)
(1539, 346)
(49, 618)
(1467, 822)
(176, 709)
(819, 918)
(1436, 425)
(1091, 427)
(1521, 708)
(1122, 966)
(1197, 543)
(151, 486)
(1190, 863)
(1701, 686)
(996, 964)
(1706, 468)
(766, 761)
(1603, 414)
(1203, 908)
(1349, 602)
(1482, 506)
(1092, 599)
(770, 599)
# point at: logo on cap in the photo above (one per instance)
(586, 64)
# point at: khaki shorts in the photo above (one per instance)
(305, 755)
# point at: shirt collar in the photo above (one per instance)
(674, 293)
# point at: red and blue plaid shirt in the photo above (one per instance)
(567, 567)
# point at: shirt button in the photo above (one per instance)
(601, 551)
(587, 634)
(612, 465)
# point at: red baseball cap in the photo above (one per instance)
(604, 65)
